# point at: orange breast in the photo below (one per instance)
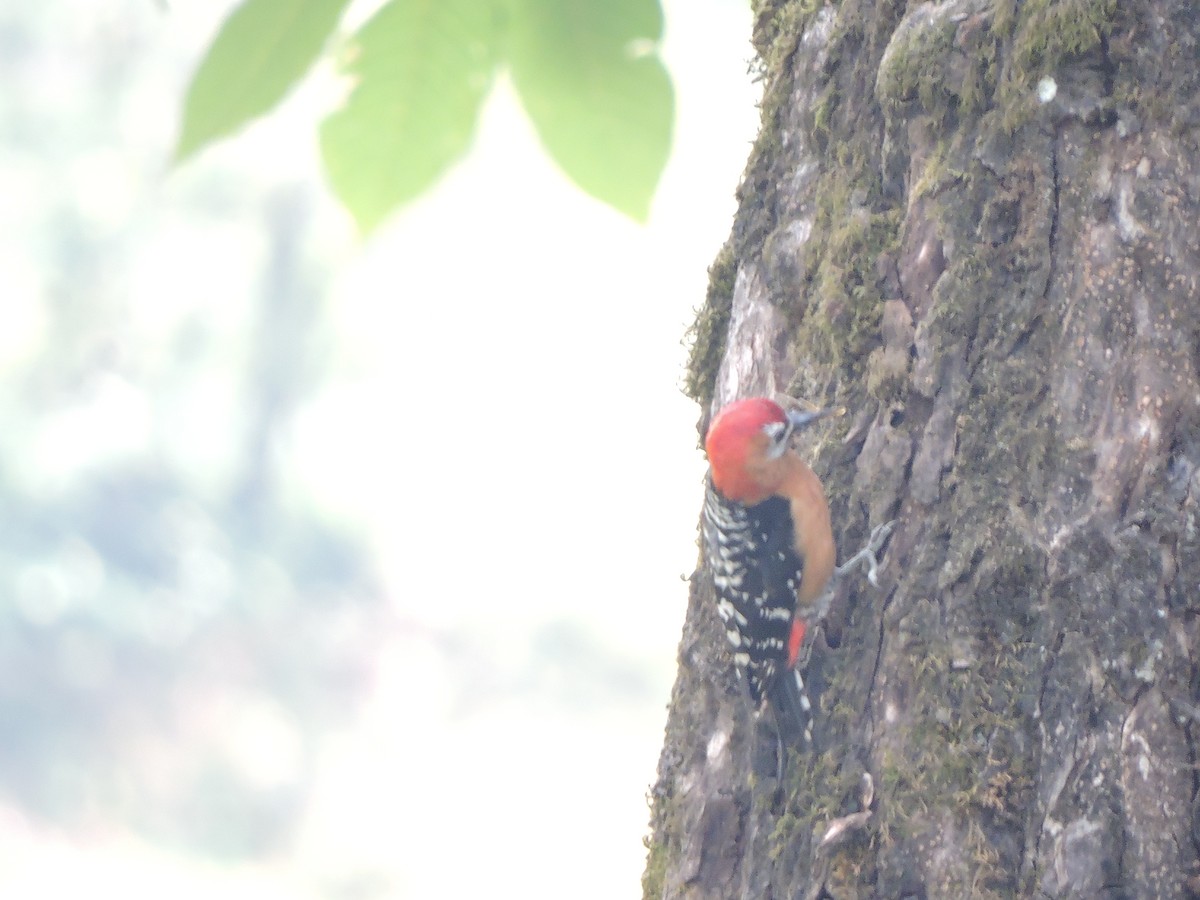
(814, 534)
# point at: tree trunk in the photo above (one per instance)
(974, 224)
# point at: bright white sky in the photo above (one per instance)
(509, 355)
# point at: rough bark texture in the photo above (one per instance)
(975, 224)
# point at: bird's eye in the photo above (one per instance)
(779, 433)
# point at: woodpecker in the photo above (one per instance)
(768, 544)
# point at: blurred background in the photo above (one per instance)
(331, 568)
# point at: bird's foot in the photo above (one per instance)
(867, 555)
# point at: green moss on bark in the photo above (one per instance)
(710, 329)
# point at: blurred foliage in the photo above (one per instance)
(263, 49)
(597, 93)
(588, 74)
(179, 626)
(421, 72)
(184, 633)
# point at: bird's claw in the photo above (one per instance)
(867, 555)
(878, 538)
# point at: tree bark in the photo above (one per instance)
(974, 224)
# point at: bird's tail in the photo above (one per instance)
(788, 699)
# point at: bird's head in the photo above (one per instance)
(747, 443)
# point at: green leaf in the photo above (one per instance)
(262, 50)
(422, 68)
(600, 98)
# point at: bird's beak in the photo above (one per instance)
(802, 418)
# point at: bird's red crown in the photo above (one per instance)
(736, 433)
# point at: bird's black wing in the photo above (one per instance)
(756, 571)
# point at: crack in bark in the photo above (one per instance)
(1055, 199)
